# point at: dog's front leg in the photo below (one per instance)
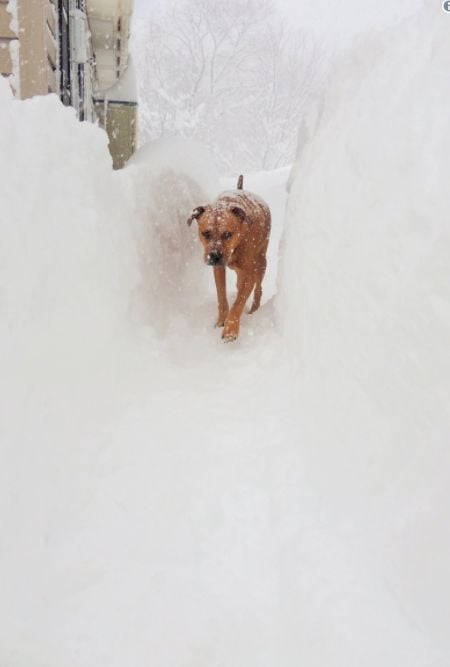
(221, 287)
(246, 284)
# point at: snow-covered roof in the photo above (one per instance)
(109, 23)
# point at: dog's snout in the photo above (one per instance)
(214, 257)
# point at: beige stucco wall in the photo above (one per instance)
(37, 46)
(38, 53)
(6, 35)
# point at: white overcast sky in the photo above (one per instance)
(333, 17)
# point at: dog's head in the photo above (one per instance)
(220, 230)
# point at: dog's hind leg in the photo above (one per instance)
(221, 287)
(258, 284)
(256, 298)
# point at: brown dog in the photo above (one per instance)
(234, 232)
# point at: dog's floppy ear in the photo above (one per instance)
(239, 213)
(196, 213)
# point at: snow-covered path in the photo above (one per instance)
(152, 525)
(135, 461)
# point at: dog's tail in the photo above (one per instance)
(240, 184)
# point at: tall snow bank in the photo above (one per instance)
(66, 259)
(166, 180)
(83, 249)
(364, 304)
(73, 295)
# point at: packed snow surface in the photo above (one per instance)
(166, 499)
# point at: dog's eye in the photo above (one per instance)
(207, 235)
(227, 235)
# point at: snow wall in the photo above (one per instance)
(79, 330)
(75, 258)
(364, 308)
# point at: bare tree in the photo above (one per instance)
(230, 74)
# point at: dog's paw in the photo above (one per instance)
(219, 324)
(230, 331)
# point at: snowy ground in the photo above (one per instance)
(169, 500)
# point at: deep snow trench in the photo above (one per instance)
(133, 440)
(166, 499)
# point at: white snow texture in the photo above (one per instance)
(169, 500)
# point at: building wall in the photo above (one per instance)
(6, 36)
(56, 54)
(38, 53)
(37, 40)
